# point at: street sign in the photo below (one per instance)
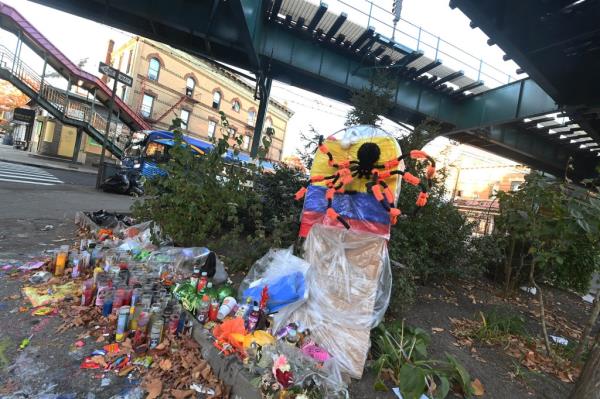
(113, 73)
(23, 115)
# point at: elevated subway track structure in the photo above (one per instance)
(309, 45)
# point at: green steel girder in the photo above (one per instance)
(531, 149)
(304, 63)
(238, 33)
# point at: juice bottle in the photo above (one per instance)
(202, 282)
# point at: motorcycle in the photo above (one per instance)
(125, 181)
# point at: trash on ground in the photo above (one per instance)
(559, 340)
(529, 290)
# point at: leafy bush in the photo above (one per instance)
(485, 254)
(549, 231)
(403, 290)
(400, 354)
(207, 201)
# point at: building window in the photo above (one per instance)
(216, 100)
(153, 69)
(246, 143)
(236, 106)
(515, 185)
(212, 127)
(147, 105)
(190, 85)
(251, 117)
(185, 118)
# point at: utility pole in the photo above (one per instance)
(100, 175)
(117, 76)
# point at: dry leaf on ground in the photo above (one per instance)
(154, 388)
(478, 389)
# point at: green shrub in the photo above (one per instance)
(400, 354)
(434, 242)
(238, 212)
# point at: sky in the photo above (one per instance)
(79, 38)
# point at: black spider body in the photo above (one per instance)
(368, 155)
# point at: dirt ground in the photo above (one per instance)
(502, 375)
(49, 366)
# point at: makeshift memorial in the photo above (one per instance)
(349, 207)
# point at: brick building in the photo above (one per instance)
(169, 83)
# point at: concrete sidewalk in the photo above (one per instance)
(9, 154)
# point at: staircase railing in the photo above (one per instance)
(66, 103)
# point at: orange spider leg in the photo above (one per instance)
(331, 213)
(411, 179)
(422, 199)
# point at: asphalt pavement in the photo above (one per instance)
(37, 211)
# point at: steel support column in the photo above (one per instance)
(77, 145)
(265, 92)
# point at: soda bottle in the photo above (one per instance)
(202, 312)
(209, 290)
(202, 282)
(195, 277)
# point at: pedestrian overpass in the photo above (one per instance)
(312, 46)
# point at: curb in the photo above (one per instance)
(67, 169)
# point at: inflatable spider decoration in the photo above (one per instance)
(368, 166)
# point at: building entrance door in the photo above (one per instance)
(68, 135)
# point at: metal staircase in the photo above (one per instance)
(59, 104)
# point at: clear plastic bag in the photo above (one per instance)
(280, 270)
(351, 279)
(349, 285)
(192, 257)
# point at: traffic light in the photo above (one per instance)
(397, 9)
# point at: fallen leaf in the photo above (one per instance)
(437, 329)
(165, 364)
(154, 388)
(181, 393)
(477, 386)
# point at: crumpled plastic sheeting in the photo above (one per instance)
(351, 278)
(278, 266)
(349, 285)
